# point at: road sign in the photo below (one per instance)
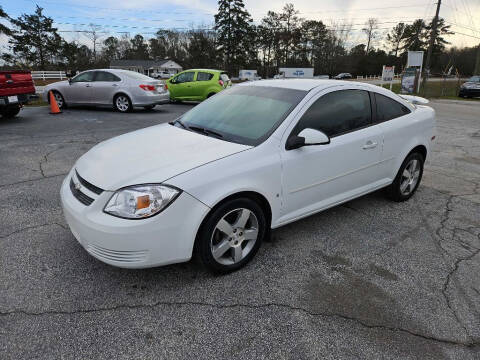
(409, 80)
(388, 73)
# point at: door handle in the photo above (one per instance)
(88, 85)
(369, 145)
(114, 84)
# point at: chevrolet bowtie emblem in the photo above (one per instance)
(78, 186)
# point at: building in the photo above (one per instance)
(147, 67)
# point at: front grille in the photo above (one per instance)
(116, 255)
(88, 185)
(80, 196)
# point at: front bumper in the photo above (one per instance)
(150, 98)
(160, 240)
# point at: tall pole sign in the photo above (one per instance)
(433, 34)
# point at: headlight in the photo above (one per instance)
(140, 201)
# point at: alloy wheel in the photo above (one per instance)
(410, 177)
(58, 99)
(122, 103)
(234, 236)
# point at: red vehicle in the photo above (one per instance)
(16, 86)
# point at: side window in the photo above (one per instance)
(85, 76)
(388, 109)
(203, 76)
(105, 76)
(185, 77)
(338, 112)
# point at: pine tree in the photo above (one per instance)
(4, 29)
(233, 26)
(396, 37)
(35, 39)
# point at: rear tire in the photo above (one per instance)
(10, 111)
(231, 235)
(408, 178)
(210, 95)
(122, 103)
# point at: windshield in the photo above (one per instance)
(244, 114)
(474, 79)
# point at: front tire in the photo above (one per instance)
(408, 178)
(122, 103)
(59, 99)
(231, 235)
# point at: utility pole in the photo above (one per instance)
(433, 34)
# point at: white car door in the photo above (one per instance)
(319, 176)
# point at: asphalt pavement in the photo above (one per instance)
(369, 279)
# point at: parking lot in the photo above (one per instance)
(369, 279)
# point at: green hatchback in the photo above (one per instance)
(197, 84)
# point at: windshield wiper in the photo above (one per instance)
(205, 131)
(179, 122)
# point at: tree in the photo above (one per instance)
(233, 26)
(290, 34)
(371, 30)
(3, 28)
(35, 40)
(138, 49)
(201, 49)
(111, 49)
(415, 36)
(395, 37)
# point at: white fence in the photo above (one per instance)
(48, 75)
(375, 77)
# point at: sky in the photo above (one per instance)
(116, 17)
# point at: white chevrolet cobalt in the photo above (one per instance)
(257, 156)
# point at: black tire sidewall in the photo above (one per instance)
(395, 192)
(11, 111)
(202, 243)
(115, 103)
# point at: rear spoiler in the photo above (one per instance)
(414, 99)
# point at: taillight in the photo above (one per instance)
(165, 87)
(220, 82)
(147, 87)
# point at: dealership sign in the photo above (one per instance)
(388, 73)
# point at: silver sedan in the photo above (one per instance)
(121, 89)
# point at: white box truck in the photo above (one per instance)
(288, 73)
(247, 75)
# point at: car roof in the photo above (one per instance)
(205, 70)
(300, 84)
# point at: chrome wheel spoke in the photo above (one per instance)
(251, 234)
(220, 249)
(403, 186)
(225, 227)
(406, 173)
(243, 218)
(237, 253)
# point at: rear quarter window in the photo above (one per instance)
(388, 109)
(203, 76)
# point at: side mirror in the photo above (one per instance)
(307, 137)
(70, 81)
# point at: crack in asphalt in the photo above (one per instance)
(33, 180)
(31, 227)
(470, 344)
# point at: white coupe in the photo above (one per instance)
(249, 159)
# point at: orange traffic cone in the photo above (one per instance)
(54, 109)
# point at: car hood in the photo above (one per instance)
(151, 155)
